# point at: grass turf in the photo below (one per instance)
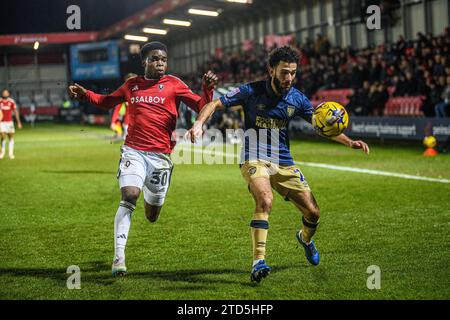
(59, 197)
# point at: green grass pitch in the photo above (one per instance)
(59, 197)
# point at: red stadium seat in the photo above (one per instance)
(395, 106)
(337, 95)
(404, 106)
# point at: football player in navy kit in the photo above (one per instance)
(268, 107)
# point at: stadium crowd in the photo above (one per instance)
(404, 68)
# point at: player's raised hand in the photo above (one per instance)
(77, 92)
(359, 144)
(210, 79)
(194, 132)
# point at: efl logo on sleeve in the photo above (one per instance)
(232, 93)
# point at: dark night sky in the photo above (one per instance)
(39, 16)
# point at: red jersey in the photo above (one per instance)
(153, 109)
(7, 106)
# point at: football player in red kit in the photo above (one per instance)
(8, 107)
(119, 119)
(145, 164)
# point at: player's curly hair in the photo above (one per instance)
(154, 45)
(286, 53)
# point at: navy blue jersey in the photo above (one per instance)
(269, 115)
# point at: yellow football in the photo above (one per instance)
(330, 119)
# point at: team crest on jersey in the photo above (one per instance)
(161, 86)
(290, 111)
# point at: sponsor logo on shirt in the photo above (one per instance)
(269, 123)
(147, 99)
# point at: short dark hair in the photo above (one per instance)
(154, 45)
(286, 53)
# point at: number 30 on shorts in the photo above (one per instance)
(159, 177)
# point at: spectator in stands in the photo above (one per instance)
(404, 65)
(410, 85)
(438, 68)
(441, 82)
(422, 38)
(359, 75)
(308, 47)
(400, 86)
(378, 96)
(330, 78)
(363, 98)
(442, 107)
(375, 69)
(401, 46)
(359, 100)
(408, 66)
(353, 107)
(324, 48)
(421, 89)
(433, 97)
(345, 78)
(383, 97)
(385, 73)
(373, 97)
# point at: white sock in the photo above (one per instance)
(122, 224)
(11, 146)
(3, 145)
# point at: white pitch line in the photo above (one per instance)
(368, 171)
(341, 168)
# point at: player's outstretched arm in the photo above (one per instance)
(355, 144)
(204, 115)
(192, 100)
(109, 101)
